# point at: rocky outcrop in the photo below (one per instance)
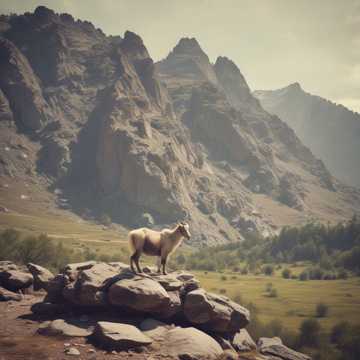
(15, 280)
(7, 295)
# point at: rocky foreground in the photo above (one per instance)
(160, 316)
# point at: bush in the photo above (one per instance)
(222, 291)
(223, 278)
(322, 310)
(304, 276)
(268, 287)
(309, 333)
(268, 270)
(286, 273)
(343, 274)
(105, 219)
(273, 293)
(316, 273)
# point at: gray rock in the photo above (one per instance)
(190, 344)
(215, 312)
(6, 295)
(139, 293)
(61, 327)
(42, 276)
(15, 280)
(154, 329)
(72, 351)
(71, 270)
(119, 336)
(87, 288)
(274, 347)
(242, 341)
(7, 265)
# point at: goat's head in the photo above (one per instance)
(184, 229)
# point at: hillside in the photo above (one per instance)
(331, 131)
(91, 127)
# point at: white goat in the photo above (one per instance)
(156, 243)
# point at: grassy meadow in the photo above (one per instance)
(295, 300)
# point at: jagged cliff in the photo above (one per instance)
(151, 143)
(331, 131)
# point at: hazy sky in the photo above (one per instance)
(274, 42)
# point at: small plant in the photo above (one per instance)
(223, 278)
(268, 287)
(222, 291)
(244, 271)
(268, 270)
(322, 310)
(286, 273)
(273, 293)
(304, 276)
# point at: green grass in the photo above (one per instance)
(296, 299)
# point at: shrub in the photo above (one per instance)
(223, 278)
(343, 274)
(303, 276)
(316, 273)
(244, 271)
(222, 291)
(105, 219)
(286, 273)
(273, 293)
(322, 310)
(309, 333)
(268, 287)
(339, 332)
(268, 270)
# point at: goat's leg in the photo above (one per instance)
(163, 263)
(158, 264)
(132, 257)
(136, 260)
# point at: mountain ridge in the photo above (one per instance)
(148, 143)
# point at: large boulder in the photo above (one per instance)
(215, 312)
(15, 280)
(55, 288)
(41, 276)
(190, 344)
(274, 347)
(71, 270)
(116, 336)
(87, 288)
(139, 293)
(62, 328)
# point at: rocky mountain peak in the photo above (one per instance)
(189, 46)
(189, 61)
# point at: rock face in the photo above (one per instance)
(115, 140)
(330, 130)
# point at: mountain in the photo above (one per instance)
(89, 121)
(331, 131)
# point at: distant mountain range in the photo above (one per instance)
(93, 118)
(331, 131)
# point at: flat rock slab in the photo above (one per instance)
(242, 341)
(60, 327)
(273, 347)
(117, 336)
(190, 344)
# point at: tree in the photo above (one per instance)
(286, 273)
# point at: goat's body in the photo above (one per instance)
(153, 243)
